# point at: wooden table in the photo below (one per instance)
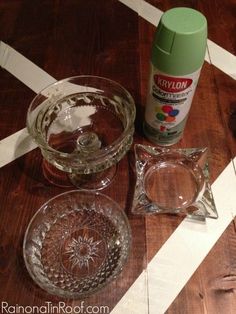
(106, 38)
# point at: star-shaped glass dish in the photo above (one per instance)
(173, 181)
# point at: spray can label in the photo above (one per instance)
(168, 103)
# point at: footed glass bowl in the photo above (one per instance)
(83, 125)
(76, 243)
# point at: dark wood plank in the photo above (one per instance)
(211, 288)
(225, 87)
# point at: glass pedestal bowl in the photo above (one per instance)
(76, 243)
(83, 125)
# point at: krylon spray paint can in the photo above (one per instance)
(177, 56)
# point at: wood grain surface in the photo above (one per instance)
(106, 38)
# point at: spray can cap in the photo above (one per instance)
(180, 41)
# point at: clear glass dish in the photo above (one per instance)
(76, 243)
(83, 125)
(173, 181)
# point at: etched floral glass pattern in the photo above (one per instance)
(173, 181)
(76, 243)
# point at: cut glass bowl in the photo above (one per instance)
(76, 243)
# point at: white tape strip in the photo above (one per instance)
(35, 78)
(132, 4)
(15, 146)
(23, 69)
(135, 300)
(219, 57)
(145, 10)
(222, 59)
(183, 252)
(152, 14)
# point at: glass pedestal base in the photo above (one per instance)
(92, 182)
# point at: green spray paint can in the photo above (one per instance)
(177, 56)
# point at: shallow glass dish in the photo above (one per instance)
(76, 243)
(173, 181)
(83, 125)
